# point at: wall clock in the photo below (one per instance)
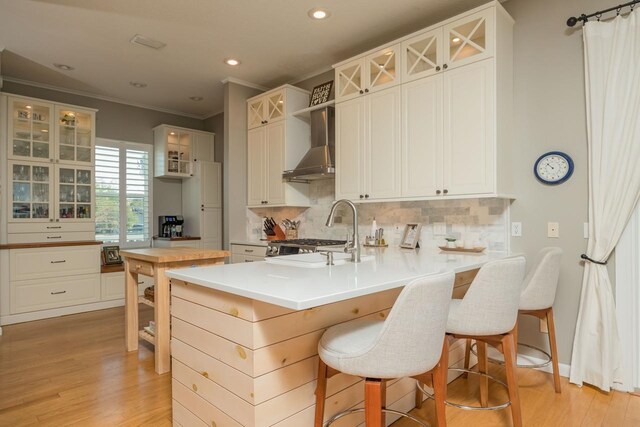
(553, 168)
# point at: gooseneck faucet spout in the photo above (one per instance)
(353, 246)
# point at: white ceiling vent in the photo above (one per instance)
(148, 42)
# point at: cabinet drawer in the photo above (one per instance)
(141, 267)
(43, 294)
(111, 286)
(238, 258)
(51, 227)
(39, 263)
(73, 236)
(257, 251)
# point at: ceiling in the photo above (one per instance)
(275, 40)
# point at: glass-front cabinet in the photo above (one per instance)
(30, 130)
(74, 196)
(179, 152)
(469, 39)
(74, 130)
(30, 192)
(266, 109)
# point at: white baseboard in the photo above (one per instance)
(57, 312)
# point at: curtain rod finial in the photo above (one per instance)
(571, 22)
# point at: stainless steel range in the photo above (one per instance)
(301, 246)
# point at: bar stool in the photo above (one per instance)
(488, 314)
(409, 343)
(536, 299)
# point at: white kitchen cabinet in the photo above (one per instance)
(30, 129)
(75, 194)
(203, 146)
(75, 136)
(267, 108)
(456, 116)
(377, 71)
(172, 152)
(202, 204)
(368, 146)
(241, 253)
(275, 146)
(165, 243)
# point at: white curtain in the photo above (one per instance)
(612, 71)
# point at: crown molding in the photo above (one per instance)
(215, 113)
(245, 83)
(101, 97)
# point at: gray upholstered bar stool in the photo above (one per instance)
(488, 314)
(409, 343)
(536, 299)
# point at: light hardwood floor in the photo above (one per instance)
(73, 370)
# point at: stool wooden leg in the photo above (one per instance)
(467, 357)
(373, 402)
(508, 348)
(554, 350)
(482, 368)
(419, 396)
(440, 384)
(321, 391)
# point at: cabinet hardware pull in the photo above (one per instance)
(445, 66)
(54, 237)
(57, 220)
(366, 196)
(438, 68)
(58, 293)
(58, 262)
(361, 196)
(361, 91)
(438, 191)
(366, 90)
(56, 227)
(140, 283)
(445, 191)
(248, 250)
(248, 260)
(50, 219)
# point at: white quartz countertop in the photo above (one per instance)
(302, 288)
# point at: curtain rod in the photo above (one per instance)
(584, 18)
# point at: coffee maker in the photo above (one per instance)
(170, 226)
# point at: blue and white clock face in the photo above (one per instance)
(553, 168)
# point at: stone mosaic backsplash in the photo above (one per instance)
(474, 220)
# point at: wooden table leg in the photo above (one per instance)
(131, 307)
(162, 317)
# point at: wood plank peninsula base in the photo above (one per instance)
(242, 362)
(153, 263)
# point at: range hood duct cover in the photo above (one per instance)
(318, 162)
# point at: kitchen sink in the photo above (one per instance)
(314, 260)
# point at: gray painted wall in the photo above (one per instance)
(235, 161)
(215, 124)
(125, 123)
(550, 115)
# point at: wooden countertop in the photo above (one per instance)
(162, 255)
(49, 244)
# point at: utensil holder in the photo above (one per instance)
(291, 233)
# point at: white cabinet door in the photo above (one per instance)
(350, 136)
(75, 138)
(256, 114)
(31, 192)
(75, 194)
(256, 166)
(203, 147)
(469, 39)
(275, 164)
(211, 220)
(469, 135)
(382, 144)
(30, 133)
(274, 105)
(350, 80)
(422, 55)
(210, 177)
(382, 69)
(422, 137)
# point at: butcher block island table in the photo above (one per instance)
(153, 262)
(244, 337)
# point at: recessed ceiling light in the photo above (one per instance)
(138, 85)
(64, 67)
(232, 61)
(319, 13)
(456, 39)
(196, 98)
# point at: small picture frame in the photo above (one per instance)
(321, 93)
(112, 255)
(411, 236)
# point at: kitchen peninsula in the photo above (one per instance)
(244, 336)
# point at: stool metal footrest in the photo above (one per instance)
(468, 407)
(519, 365)
(339, 415)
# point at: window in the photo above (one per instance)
(123, 189)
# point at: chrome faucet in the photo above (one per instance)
(353, 246)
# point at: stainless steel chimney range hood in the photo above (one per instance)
(318, 162)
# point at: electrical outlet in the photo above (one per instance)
(553, 229)
(439, 228)
(544, 327)
(585, 230)
(516, 229)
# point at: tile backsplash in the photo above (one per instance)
(476, 220)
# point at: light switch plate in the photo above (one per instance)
(516, 229)
(439, 228)
(553, 229)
